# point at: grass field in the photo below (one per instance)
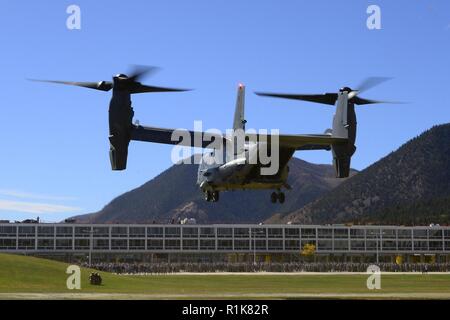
(29, 277)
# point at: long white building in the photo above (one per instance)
(204, 240)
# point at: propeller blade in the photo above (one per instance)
(102, 85)
(361, 101)
(138, 71)
(370, 82)
(327, 98)
(141, 88)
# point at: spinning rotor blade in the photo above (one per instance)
(361, 101)
(327, 98)
(367, 84)
(138, 71)
(330, 98)
(371, 82)
(102, 85)
(141, 88)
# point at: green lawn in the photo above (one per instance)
(21, 274)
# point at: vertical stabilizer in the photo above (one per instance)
(239, 119)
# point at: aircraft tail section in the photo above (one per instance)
(239, 114)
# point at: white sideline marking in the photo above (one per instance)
(151, 296)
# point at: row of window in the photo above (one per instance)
(222, 244)
(221, 232)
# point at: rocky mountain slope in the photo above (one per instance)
(174, 194)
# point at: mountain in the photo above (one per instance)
(174, 194)
(409, 186)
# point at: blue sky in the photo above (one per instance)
(54, 139)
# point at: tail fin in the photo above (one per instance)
(344, 126)
(239, 120)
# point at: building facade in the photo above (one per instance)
(234, 242)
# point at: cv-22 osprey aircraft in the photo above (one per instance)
(236, 172)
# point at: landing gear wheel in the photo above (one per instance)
(281, 197)
(273, 197)
(211, 196)
(208, 196)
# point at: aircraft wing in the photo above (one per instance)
(307, 141)
(314, 147)
(164, 135)
(286, 141)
